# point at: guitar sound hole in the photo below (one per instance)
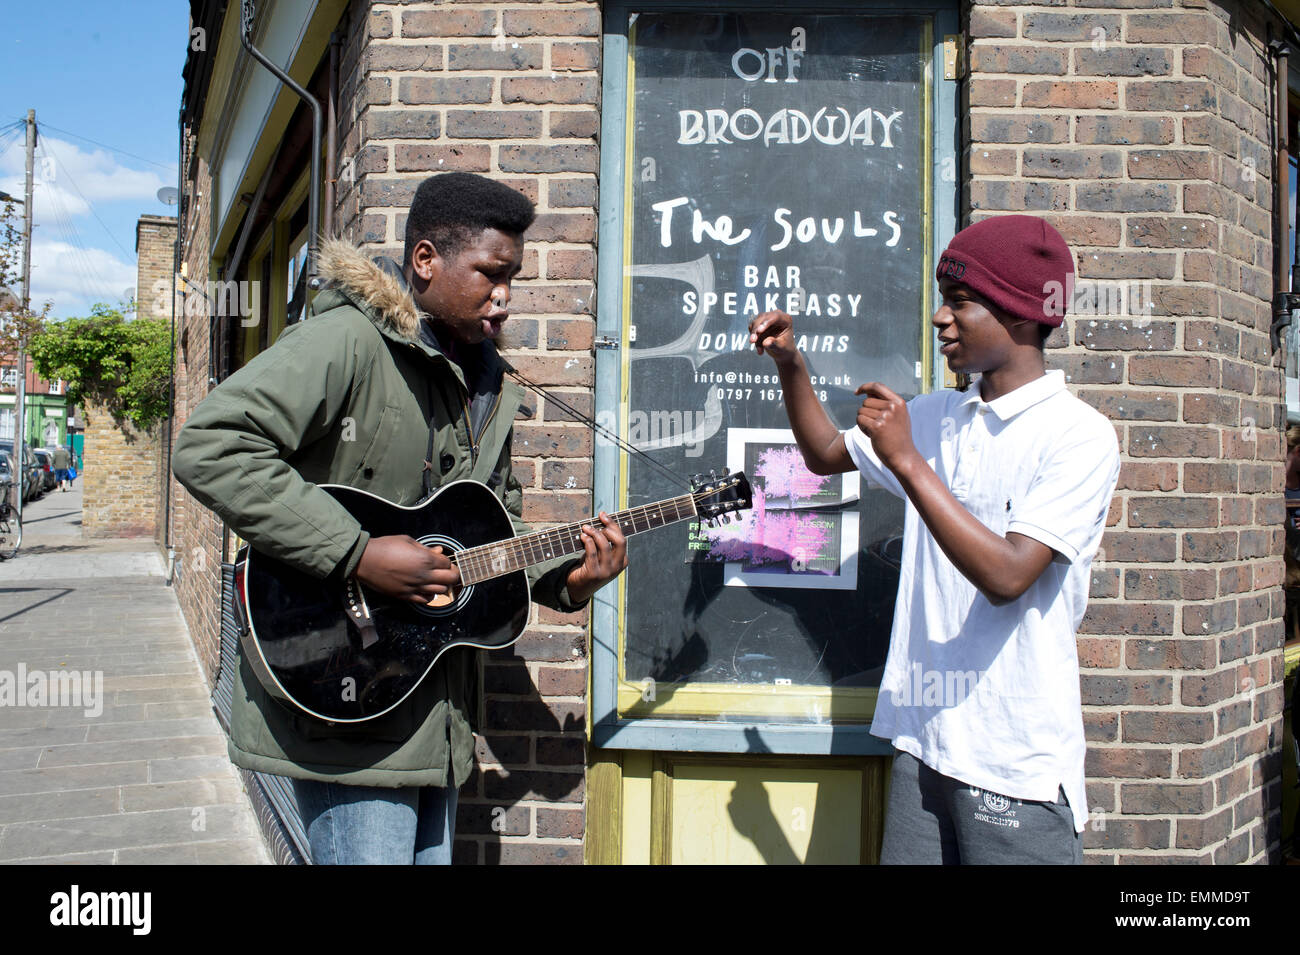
(447, 603)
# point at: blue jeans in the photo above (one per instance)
(374, 825)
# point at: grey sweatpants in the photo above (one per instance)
(934, 819)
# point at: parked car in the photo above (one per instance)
(49, 478)
(32, 482)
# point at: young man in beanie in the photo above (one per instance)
(393, 386)
(1007, 488)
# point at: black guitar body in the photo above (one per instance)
(309, 651)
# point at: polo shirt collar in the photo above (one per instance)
(1023, 398)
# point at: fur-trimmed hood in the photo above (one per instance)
(381, 287)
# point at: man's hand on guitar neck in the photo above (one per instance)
(604, 559)
(402, 567)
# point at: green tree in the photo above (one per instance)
(17, 325)
(107, 360)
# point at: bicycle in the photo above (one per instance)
(11, 525)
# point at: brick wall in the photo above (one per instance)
(196, 531)
(155, 239)
(120, 487)
(1141, 129)
(510, 91)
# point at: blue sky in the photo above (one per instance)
(107, 72)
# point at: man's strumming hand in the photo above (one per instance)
(402, 567)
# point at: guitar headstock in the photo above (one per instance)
(716, 495)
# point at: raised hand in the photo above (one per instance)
(772, 333)
(884, 419)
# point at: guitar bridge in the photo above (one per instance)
(358, 612)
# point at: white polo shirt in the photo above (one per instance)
(990, 695)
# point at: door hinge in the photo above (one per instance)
(954, 66)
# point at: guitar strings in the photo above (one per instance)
(476, 560)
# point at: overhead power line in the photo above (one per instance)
(96, 142)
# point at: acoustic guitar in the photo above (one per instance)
(345, 654)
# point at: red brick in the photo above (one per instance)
(1154, 583)
(567, 89)
(569, 263)
(1111, 690)
(1006, 58)
(573, 123)
(1169, 95)
(1166, 797)
(448, 23)
(1156, 726)
(1187, 372)
(1019, 128)
(1016, 196)
(486, 56)
(1148, 476)
(534, 158)
(1123, 130)
(1199, 689)
(1139, 547)
(1169, 28)
(1169, 654)
(1214, 547)
(418, 157)
(1172, 441)
(575, 56)
(442, 91)
(1072, 163)
(1071, 94)
(1071, 27)
(1133, 834)
(1128, 763)
(552, 23)
(983, 91)
(1122, 60)
(485, 124)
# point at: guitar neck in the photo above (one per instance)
(519, 553)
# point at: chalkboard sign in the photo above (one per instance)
(776, 160)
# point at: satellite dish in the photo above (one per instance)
(168, 195)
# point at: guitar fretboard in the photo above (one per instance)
(503, 557)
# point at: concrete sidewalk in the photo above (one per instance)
(137, 773)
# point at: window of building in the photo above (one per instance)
(801, 158)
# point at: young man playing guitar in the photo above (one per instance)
(394, 387)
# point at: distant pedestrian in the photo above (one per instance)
(62, 467)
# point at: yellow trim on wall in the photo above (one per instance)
(709, 700)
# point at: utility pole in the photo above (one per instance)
(20, 410)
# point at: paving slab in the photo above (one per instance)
(125, 764)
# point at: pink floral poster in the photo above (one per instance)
(799, 533)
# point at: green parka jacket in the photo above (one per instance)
(354, 396)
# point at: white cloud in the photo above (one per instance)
(96, 174)
(74, 279)
(68, 181)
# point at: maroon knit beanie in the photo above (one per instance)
(1019, 263)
